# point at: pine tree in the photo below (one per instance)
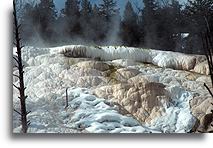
(86, 12)
(109, 14)
(129, 28)
(71, 14)
(129, 14)
(149, 6)
(86, 9)
(198, 13)
(95, 11)
(108, 9)
(177, 26)
(45, 16)
(27, 19)
(168, 30)
(176, 15)
(149, 22)
(97, 25)
(72, 8)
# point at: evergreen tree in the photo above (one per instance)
(149, 17)
(109, 14)
(45, 16)
(168, 22)
(86, 12)
(27, 30)
(113, 29)
(129, 14)
(178, 26)
(198, 12)
(108, 9)
(162, 25)
(38, 22)
(86, 9)
(129, 28)
(71, 14)
(97, 24)
(72, 8)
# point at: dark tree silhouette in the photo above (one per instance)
(108, 9)
(71, 14)
(208, 49)
(86, 9)
(207, 41)
(159, 24)
(198, 11)
(129, 27)
(23, 113)
(150, 22)
(45, 15)
(85, 19)
(97, 24)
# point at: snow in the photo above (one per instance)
(46, 91)
(178, 116)
(124, 62)
(165, 59)
(96, 116)
(184, 35)
(85, 112)
(47, 77)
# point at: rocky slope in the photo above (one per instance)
(115, 89)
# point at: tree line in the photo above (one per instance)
(160, 24)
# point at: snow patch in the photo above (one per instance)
(178, 117)
(166, 59)
(46, 78)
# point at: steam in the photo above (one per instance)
(113, 34)
(89, 35)
(32, 35)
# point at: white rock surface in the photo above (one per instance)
(49, 73)
(160, 58)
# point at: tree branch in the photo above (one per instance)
(22, 46)
(28, 112)
(21, 88)
(17, 111)
(16, 66)
(16, 75)
(208, 89)
(16, 87)
(28, 123)
(16, 60)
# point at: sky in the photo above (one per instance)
(120, 3)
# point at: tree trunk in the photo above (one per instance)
(20, 66)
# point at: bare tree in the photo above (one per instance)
(208, 47)
(21, 88)
(207, 40)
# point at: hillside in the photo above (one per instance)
(113, 90)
